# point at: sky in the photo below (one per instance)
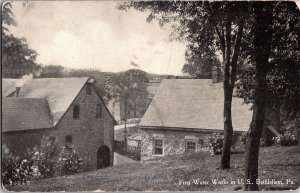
(95, 35)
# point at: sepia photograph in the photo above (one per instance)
(107, 96)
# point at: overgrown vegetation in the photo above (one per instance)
(37, 163)
(287, 139)
(215, 143)
(278, 163)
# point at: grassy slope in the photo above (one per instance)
(278, 163)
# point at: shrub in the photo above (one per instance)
(17, 170)
(68, 162)
(215, 143)
(44, 162)
(46, 159)
(287, 139)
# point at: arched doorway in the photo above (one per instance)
(103, 157)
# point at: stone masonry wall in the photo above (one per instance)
(18, 142)
(88, 132)
(174, 142)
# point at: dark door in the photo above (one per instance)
(103, 157)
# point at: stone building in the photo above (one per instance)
(68, 111)
(184, 113)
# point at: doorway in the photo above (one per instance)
(103, 157)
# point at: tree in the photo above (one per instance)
(7, 16)
(208, 28)
(261, 53)
(17, 58)
(51, 71)
(283, 78)
(127, 85)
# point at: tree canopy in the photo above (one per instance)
(283, 78)
(17, 58)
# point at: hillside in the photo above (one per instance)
(175, 172)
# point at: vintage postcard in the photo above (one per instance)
(150, 96)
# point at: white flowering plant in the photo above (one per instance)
(287, 139)
(215, 143)
(37, 163)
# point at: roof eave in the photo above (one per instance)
(185, 129)
(29, 130)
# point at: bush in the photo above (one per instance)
(68, 162)
(17, 170)
(44, 162)
(287, 139)
(215, 143)
(46, 159)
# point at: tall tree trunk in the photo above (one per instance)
(228, 129)
(262, 48)
(228, 89)
(229, 82)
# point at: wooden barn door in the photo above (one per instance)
(103, 157)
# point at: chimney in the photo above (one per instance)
(17, 91)
(24, 80)
(215, 75)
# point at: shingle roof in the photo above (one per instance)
(59, 92)
(25, 113)
(193, 103)
(8, 86)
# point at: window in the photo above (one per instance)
(158, 146)
(98, 111)
(69, 141)
(88, 89)
(76, 110)
(190, 146)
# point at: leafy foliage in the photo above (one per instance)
(127, 86)
(69, 162)
(43, 162)
(7, 16)
(283, 78)
(287, 139)
(17, 58)
(215, 143)
(51, 71)
(16, 170)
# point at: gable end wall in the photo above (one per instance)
(88, 132)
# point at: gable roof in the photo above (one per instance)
(193, 103)
(25, 113)
(8, 86)
(59, 92)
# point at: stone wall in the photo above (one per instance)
(174, 142)
(88, 132)
(19, 141)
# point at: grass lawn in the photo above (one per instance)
(278, 163)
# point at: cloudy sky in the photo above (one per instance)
(89, 35)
